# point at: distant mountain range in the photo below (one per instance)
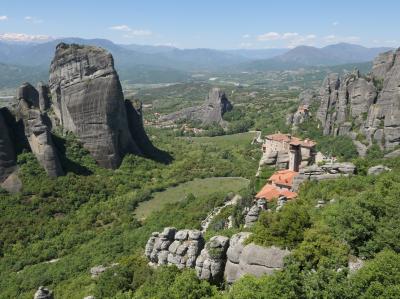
(305, 56)
(156, 64)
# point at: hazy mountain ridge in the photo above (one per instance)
(166, 64)
(303, 56)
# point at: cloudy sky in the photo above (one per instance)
(220, 24)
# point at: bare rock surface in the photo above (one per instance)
(39, 137)
(364, 104)
(251, 259)
(43, 293)
(29, 93)
(378, 169)
(211, 111)
(7, 151)
(171, 247)
(325, 172)
(44, 96)
(88, 100)
(210, 264)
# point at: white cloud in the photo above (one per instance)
(290, 35)
(33, 20)
(246, 36)
(131, 32)
(121, 28)
(22, 37)
(3, 18)
(335, 23)
(269, 36)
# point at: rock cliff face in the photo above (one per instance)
(306, 98)
(89, 102)
(325, 172)
(251, 259)
(39, 137)
(7, 151)
(85, 97)
(179, 248)
(211, 111)
(210, 264)
(367, 105)
(213, 260)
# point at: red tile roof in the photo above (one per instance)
(270, 192)
(283, 177)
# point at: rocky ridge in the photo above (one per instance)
(211, 111)
(212, 260)
(324, 172)
(364, 105)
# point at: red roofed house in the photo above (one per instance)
(279, 184)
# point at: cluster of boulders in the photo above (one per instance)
(324, 172)
(210, 264)
(180, 248)
(84, 97)
(367, 105)
(211, 111)
(212, 260)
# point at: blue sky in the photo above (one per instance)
(217, 24)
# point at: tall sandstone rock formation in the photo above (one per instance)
(84, 97)
(7, 152)
(88, 101)
(211, 111)
(367, 105)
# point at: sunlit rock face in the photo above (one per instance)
(366, 104)
(88, 101)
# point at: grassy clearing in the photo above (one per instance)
(227, 140)
(198, 187)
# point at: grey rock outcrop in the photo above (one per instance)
(7, 151)
(210, 264)
(378, 169)
(44, 96)
(325, 172)
(251, 259)
(43, 293)
(217, 258)
(306, 98)
(12, 183)
(252, 216)
(88, 101)
(97, 270)
(211, 111)
(369, 105)
(29, 93)
(170, 247)
(39, 137)
(393, 154)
